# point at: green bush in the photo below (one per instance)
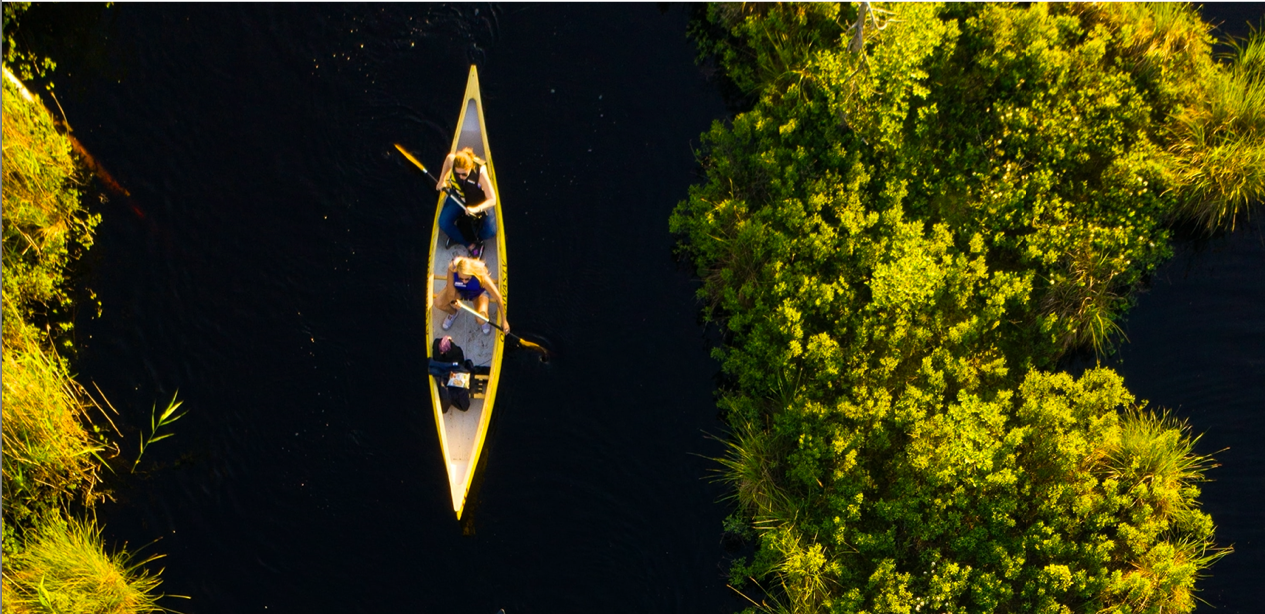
(43, 218)
(925, 208)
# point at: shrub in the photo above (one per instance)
(901, 237)
(43, 218)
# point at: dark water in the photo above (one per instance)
(1197, 346)
(269, 266)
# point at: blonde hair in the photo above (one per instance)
(465, 159)
(472, 267)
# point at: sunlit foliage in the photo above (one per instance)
(48, 451)
(64, 568)
(44, 221)
(923, 209)
(51, 459)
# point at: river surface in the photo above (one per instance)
(1197, 347)
(269, 266)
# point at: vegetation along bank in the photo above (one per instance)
(54, 556)
(921, 210)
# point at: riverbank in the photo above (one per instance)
(923, 210)
(54, 556)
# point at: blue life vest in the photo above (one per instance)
(469, 289)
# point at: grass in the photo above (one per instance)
(64, 568)
(1157, 37)
(1220, 143)
(1084, 298)
(1155, 458)
(747, 468)
(51, 563)
(804, 570)
(1163, 580)
(48, 452)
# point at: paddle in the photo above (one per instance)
(410, 157)
(521, 341)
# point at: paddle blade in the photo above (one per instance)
(411, 158)
(544, 354)
(532, 346)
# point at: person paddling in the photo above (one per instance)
(466, 174)
(469, 280)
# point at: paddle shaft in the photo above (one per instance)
(521, 341)
(488, 320)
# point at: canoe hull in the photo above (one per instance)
(462, 434)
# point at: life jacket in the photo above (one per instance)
(469, 187)
(469, 289)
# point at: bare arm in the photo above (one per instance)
(486, 184)
(490, 286)
(452, 274)
(444, 173)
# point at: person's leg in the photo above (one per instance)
(466, 226)
(460, 398)
(489, 226)
(443, 300)
(445, 398)
(481, 304)
(448, 217)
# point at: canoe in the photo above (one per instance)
(461, 433)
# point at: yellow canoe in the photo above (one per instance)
(461, 433)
